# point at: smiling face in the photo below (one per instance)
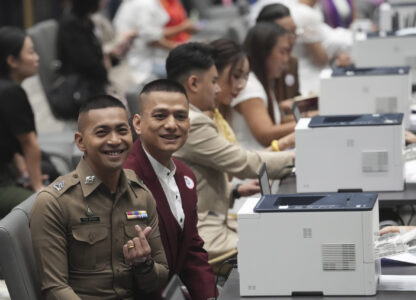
(232, 81)
(163, 124)
(105, 138)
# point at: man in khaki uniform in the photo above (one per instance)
(95, 230)
(210, 156)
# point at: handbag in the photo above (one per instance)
(66, 95)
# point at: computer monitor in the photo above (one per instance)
(173, 290)
(264, 181)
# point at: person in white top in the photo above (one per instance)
(317, 45)
(148, 18)
(256, 115)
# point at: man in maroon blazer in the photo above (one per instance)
(163, 126)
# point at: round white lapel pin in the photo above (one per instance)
(289, 80)
(189, 182)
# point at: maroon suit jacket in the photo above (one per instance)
(183, 248)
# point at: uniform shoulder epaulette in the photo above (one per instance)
(132, 177)
(62, 184)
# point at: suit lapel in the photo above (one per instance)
(188, 211)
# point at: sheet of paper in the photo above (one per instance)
(403, 257)
(397, 283)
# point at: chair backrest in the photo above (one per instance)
(16, 253)
(44, 36)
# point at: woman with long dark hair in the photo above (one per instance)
(18, 142)
(233, 67)
(256, 115)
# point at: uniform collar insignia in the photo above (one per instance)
(59, 186)
(89, 179)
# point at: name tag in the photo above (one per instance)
(90, 220)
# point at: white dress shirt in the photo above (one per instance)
(168, 183)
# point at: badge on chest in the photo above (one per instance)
(136, 214)
(90, 218)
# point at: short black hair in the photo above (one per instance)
(188, 58)
(82, 8)
(273, 12)
(161, 85)
(100, 101)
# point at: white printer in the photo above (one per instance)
(350, 153)
(308, 244)
(397, 14)
(365, 91)
(385, 50)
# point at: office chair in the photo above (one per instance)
(44, 35)
(16, 253)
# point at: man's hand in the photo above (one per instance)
(286, 105)
(286, 142)
(342, 60)
(396, 229)
(410, 137)
(137, 250)
(249, 188)
(188, 26)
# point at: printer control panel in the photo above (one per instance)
(317, 202)
(356, 120)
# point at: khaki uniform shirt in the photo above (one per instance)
(78, 231)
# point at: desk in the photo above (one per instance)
(406, 197)
(231, 290)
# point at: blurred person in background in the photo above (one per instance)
(161, 26)
(287, 86)
(318, 45)
(18, 146)
(81, 54)
(79, 50)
